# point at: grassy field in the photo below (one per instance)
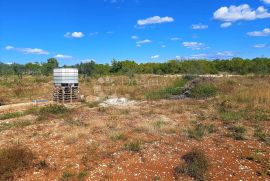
(219, 130)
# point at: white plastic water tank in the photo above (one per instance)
(65, 76)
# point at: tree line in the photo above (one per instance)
(130, 68)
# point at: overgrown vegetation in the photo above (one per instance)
(51, 111)
(196, 165)
(198, 131)
(15, 124)
(14, 159)
(261, 135)
(134, 146)
(203, 91)
(238, 132)
(174, 89)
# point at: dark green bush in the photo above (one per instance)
(203, 91)
(238, 132)
(200, 130)
(164, 93)
(134, 146)
(196, 165)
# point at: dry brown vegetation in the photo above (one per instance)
(223, 137)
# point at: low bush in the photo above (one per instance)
(134, 146)
(203, 91)
(238, 132)
(200, 130)
(51, 110)
(164, 93)
(116, 136)
(14, 159)
(17, 124)
(196, 165)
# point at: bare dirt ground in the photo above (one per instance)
(141, 140)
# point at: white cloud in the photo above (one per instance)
(194, 45)
(74, 35)
(199, 56)
(259, 46)
(237, 13)
(163, 46)
(214, 55)
(155, 20)
(9, 47)
(61, 56)
(175, 39)
(266, 1)
(225, 54)
(140, 43)
(242, 12)
(134, 37)
(264, 32)
(226, 25)
(155, 56)
(37, 51)
(199, 26)
(178, 57)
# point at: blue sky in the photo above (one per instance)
(143, 30)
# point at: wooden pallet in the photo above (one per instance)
(65, 94)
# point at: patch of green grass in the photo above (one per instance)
(51, 110)
(116, 136)
(261, 135)
(17, 124)
(164, 93)
(200, 130)
(238, 132)
(203, 91)
(134, 146)
(13, 159)
(230, 116)
(11, 115)
(196, 165)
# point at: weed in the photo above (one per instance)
(196, 165)
(200, 130)
(17, 124)
(238, 132)
(51, 110)
(203, 91)
(81, 176)
(66, 176)
(11, 115)
(116, 136)
(261, 135)
(92, 104)
(134, 146)
(164, 93)
(12, 159)
(230, 116)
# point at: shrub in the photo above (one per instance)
(118, 136)
(230, 116)
(203, 91)
(134, 146)
(196, 165)
(262, 136)
(51, 110)
(81, 176)
(164, 93)
(66, 176)
(200, 130)
(13, 159)
(238, 132)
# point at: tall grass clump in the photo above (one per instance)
(203, 91)
(14, 159)
(196, 165)
(164, 93)
(51, 111)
